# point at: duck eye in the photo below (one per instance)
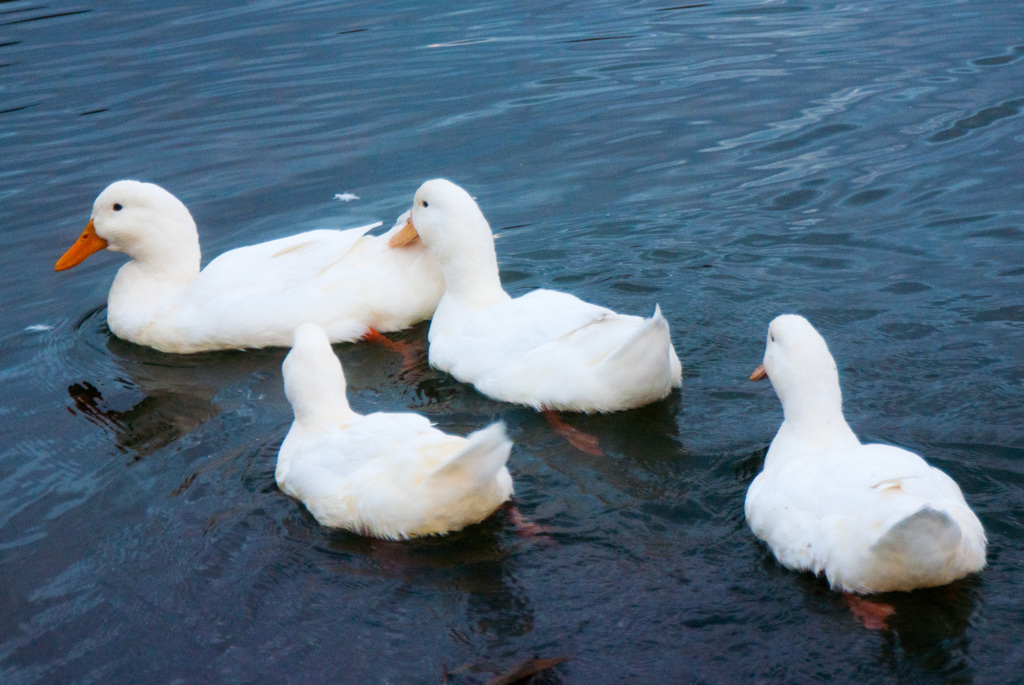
(426, 204)
(772, 337)
(118, 207)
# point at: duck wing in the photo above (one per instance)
(326, 460)
(256, 296)
(541, 317)
(826, 511)
(289, 262)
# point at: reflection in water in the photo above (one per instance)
(153, 423)
(177, 391)
(639, 449)
(452, 561)
(929, 626)
(925, 631)
(474, 568)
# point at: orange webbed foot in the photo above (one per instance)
(584, 442)
(872, 615)
(410, 352)
(524, 526)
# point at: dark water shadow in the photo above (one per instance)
(925, 633)
(478, 562)
(149, 399)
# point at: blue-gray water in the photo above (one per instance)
(860, 163)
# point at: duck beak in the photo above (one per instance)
(759, 374)
(405, 236)
(87, 244)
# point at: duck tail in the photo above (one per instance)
(928, 536)
(483, 456)
(928, 548)
(648, 352)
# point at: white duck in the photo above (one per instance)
(388, 475)
(546, 349)
(254, 296)
(874, 518)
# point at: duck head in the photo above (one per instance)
(314, 382)
(449, 222)
(801, 369)
(145, 222)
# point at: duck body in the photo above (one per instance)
(873, 518)
(545, 349)
(551, 350)
(387, 475)
(255, 296)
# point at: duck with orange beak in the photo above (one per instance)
(347, 282)
(873, 518)
(546, 349)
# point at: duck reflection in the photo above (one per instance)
(648, 434)
(924, 626)
(471, 572)
(640, 450)
(149, 425)
(180, 392)
(442, 560)
(928, 626)
(476, 567)
(476, 561)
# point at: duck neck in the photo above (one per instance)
(312, 414)
(471, 276)
(318, 393)
(147, 288)
(315, 415)
(815, 416)
(170, 250)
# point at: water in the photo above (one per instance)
(859, 163)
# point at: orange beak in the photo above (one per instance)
(86, 245)
(407, 235)
(759, 374)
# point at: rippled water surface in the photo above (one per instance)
(860, 163)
